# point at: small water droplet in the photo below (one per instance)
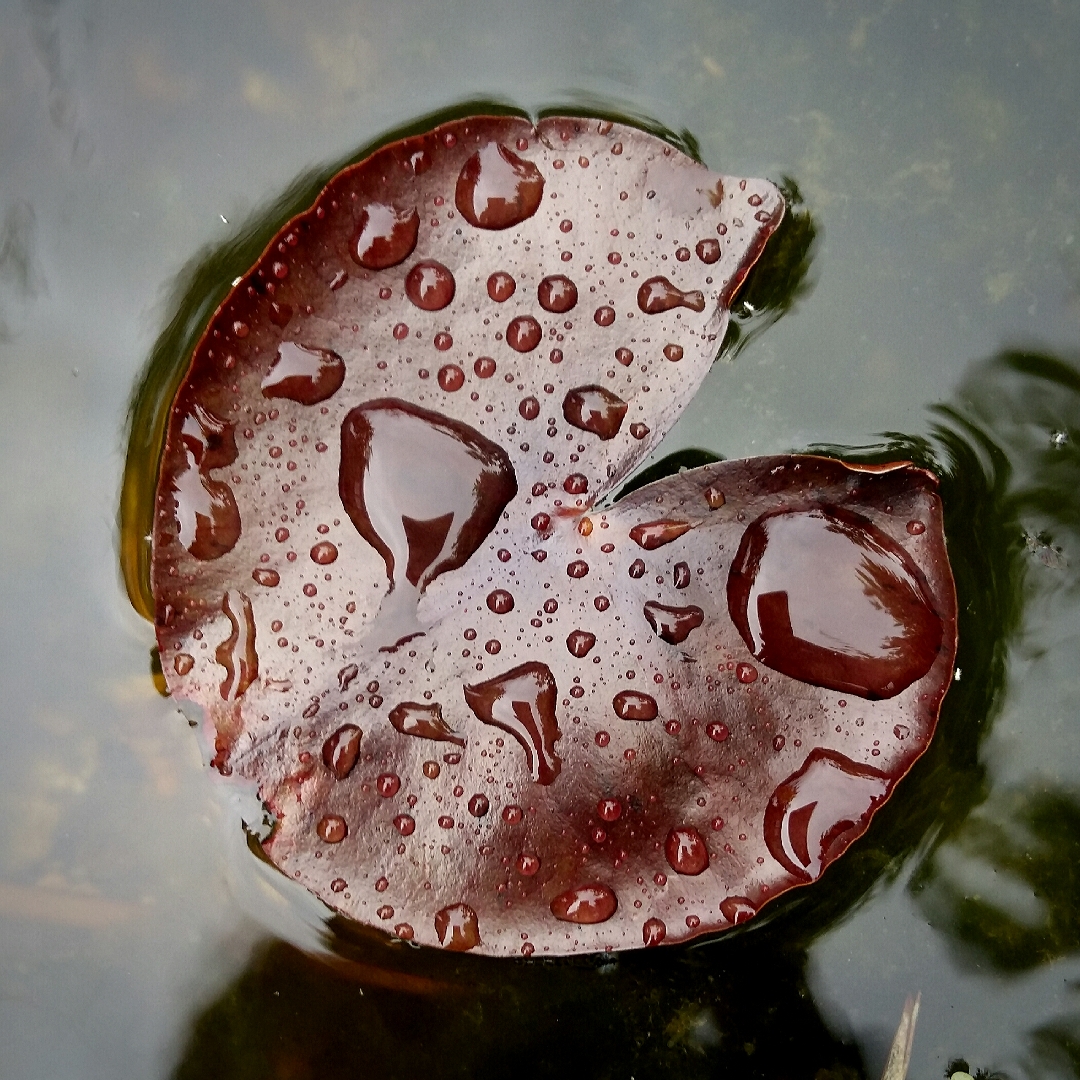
(557, 294)
(332, 829)
(388, 784)
(653, 931)
(686, 851)
(501, 286)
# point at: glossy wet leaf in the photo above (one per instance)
(490, 711)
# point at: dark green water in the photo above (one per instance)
(927, 290)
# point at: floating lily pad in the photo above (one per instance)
(490, 709)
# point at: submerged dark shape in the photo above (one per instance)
(417, 640)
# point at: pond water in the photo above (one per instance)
(143, 147)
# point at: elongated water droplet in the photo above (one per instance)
(522, 702)
(658, 294)
(826, 597)
(818, 811)
(236, 654)
(595, 409)
(653, 534)
(304, 374)
(206, 513)
(340, 751)
(269, 578)
(423, 721)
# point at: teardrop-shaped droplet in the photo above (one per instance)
(385, 236)
(818, 811)
(595, 409)
(429, 285)
(653, 534)
(826, 597)
(423, 721)
(497, 189)
(585, 905)
(304, 374)
(424, 491)
(522, 702)
(634, 705)
(458, 928)
(686, 851)
(658, 294)
(673, 624)
(340, 751)
(267, 577)
(557, 294)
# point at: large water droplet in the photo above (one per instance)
(424, 491)
(385, 236)
(686, 851)
(634, 705)
(595, 409)
(824, 596)
(497, 189)
(658, 294)
(522, 702)
(557, 294)
(653, 534)
(206, 511)
(673, 624)
(458, 928)
(236, 654)
(430, 285)
(304, 374)
(340, 751)
(423, 721)
(818, 811)
(587, 904)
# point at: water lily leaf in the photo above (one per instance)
(490, 710)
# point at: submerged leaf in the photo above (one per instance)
(488, 712)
